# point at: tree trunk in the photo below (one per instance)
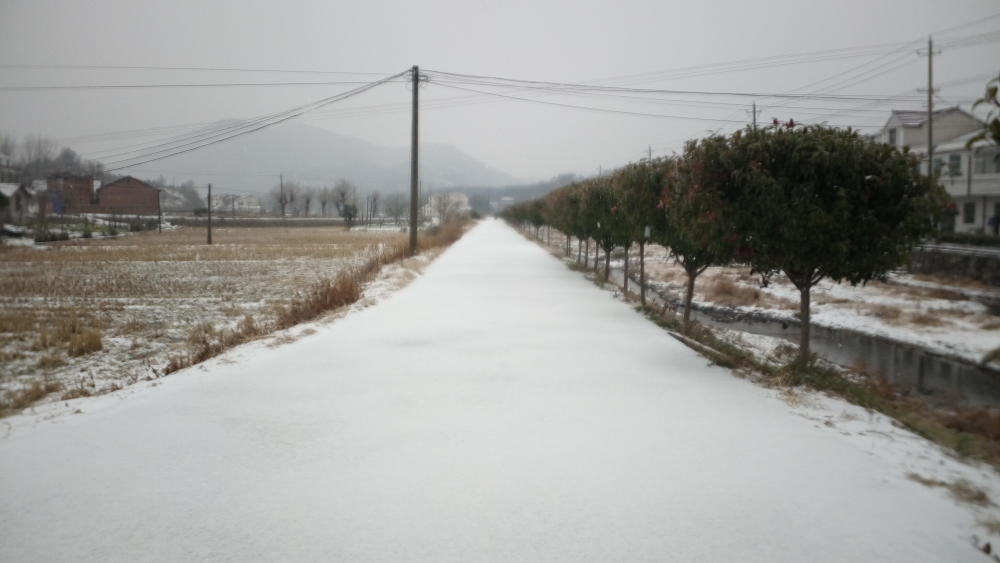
(642, 272)
(804, 326)
(548, 235)
(586, 255)
(568, 241)
(607, 264)
(688, 297)
(625, 285)
(597, 257)
(579, 247)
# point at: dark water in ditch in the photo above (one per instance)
(939, 379)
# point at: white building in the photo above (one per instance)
(242, 205)
(970, 175)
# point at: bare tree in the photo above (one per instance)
(8, 144)
(395, 206)
(292, 195)
(308, 196)
(37, 148)
(345, 198)
(323, 196)
(373, 206)
(280, 199)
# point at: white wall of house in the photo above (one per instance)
(976, 194)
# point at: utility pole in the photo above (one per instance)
(755, 114)
(414, 178)
(649, 153)
(210, 214)
(281, 196)
(159, 211)
(930, 105)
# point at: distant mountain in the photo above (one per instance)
(314, 156)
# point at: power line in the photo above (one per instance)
(29, 88)
(184, 68)
(291, 114)
(570, 87)
(606, 110)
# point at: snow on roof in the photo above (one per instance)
(911, 118)
(8, 189)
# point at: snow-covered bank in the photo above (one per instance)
(499, 408)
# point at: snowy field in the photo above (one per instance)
(500, 407)
(141, 298)
(939, 314)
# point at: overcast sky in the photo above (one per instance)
(572, 41)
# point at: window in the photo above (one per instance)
(955, 164)
(892, 136)
(938, 165)
(987, 161)
(969, 212)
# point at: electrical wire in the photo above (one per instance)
(184, 68)
(291, 114)
(599, 109)
(30, 88)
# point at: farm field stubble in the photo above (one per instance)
(85, 317)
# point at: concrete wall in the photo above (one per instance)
(980, 267)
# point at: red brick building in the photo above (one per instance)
(128, 196)
(70, 194)
(125, 196)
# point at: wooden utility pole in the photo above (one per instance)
(281, 196)
(755, 114)
(210, 214)
(159, 211)
(930, 106)
(414, 179)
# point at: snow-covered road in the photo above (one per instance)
(499, 408)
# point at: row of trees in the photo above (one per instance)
(289, 198)
(810, 202)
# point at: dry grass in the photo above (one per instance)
(944, 293)
(725, 292)
(978, 421)
(17, 399)
(925, 319)
(885, 312)
(955, 281)
(961, 490)
(345, 288)
(118, 309)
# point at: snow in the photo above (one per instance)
(500, 407)
(965, 328)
